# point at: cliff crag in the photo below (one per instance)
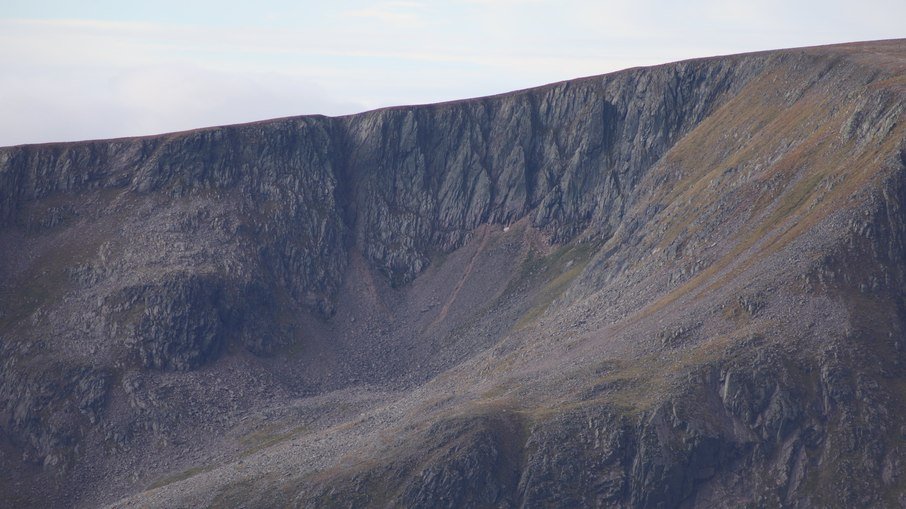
(675, 286)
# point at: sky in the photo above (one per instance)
(75, 70)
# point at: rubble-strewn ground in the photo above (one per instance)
(676, 286)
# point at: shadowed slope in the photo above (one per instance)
(670, 286)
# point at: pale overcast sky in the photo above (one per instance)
(79, 70)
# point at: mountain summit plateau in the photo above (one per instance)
(672, 286)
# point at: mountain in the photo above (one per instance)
(673, 286)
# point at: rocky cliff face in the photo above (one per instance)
(669, 286)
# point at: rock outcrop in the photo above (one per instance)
(676, 286)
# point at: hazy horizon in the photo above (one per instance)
(105, 70)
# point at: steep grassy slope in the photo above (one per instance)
(678, 286)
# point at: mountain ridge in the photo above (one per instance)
(817, 47)
(537, 288)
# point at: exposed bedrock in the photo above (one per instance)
(675, 286)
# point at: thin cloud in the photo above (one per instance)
(504, 2)
(397, 13)
(121, 75)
